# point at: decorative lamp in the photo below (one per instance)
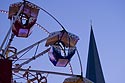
(27, 18)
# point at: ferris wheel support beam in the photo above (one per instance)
(9, 43)
(31, 46)
(8, 33)
(80, 62)
(33, 58)
(49, 72)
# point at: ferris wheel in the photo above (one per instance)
(60, 46)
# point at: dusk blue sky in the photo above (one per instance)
(108, 21)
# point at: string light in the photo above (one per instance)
(38, 25)
(3, 11)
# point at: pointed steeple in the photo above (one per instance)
(94, 70)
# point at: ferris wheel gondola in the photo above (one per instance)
(63, 47)
(25, 20)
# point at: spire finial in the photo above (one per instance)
(91, 22)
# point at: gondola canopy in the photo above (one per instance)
(62, 47)
(68, 39)
(27, 18)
